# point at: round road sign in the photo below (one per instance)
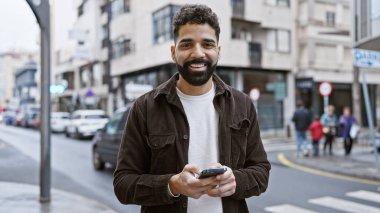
(325, 88)
(254, 94)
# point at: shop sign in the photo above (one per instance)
(366, 58)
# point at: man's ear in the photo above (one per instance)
(219, 49)
(172, 50)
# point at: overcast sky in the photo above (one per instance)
(19, 29)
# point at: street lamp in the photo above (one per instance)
(41, 9)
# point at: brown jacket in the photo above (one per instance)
(155, 147)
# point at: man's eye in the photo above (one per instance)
(209, 45)
(185, 45)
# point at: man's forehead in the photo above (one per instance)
(194, 31)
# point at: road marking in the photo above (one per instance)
(281, 157)
(365, 195)
(286, 208)
(344, 205)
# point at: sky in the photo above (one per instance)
(19, 29)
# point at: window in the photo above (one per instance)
(278, 40)
(330, 19)
(114, 123)
(281, 3)
(104, 35)
(162, 24)
(237, 8)
(119, 7)
(83, 8)
(98, 75)
(121, 47)
(85, 77)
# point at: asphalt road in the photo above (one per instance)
(289, 190)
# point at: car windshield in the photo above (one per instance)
(95, 116)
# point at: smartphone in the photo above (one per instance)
(211, 172)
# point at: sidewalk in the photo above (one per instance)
(19, 189)
(360, 163)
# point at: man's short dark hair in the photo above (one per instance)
(195, 14)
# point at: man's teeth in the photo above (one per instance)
(197, 65)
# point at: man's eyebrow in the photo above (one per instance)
(209, 40)
(185, 40)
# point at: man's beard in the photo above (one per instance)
(196, 78)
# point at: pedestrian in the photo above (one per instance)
(302, 120)
(316, 130)
(346, 122)
(329, 122)
(191, 122)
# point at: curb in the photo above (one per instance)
(282, 158)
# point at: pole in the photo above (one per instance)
(41, 9)
(325, 103)
(45, 169)
(370, 117)
(356, 96)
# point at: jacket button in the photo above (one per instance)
(184, 205)
(185, 137)
(155, 145)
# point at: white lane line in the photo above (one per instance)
(344, 205)
(365, 195)
(286, 208)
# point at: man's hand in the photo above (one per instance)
(227, 184)
(187, 184)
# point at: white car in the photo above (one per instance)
(59, 121)
(85, 123)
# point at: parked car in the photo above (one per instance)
(9, 116)
(107, 140)
(59, 121)
(84, 123)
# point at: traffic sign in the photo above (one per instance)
(254, 94)
(366, 58)
(325, 88)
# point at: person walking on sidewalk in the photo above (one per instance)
(345, 123)
(302, 120)
(316, 130)
(329, 122)
(192, 121)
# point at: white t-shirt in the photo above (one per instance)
(203, 144)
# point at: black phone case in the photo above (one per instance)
(211, 172)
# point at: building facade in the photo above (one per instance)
(80, 66)
(26, 88)
(366, 19)
(324, 46)
(256, 49)
(9, 63)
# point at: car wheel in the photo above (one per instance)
(67, 134)
(97, 160)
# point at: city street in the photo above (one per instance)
(289, 190)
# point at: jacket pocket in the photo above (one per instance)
(162, 151)
(239, 134)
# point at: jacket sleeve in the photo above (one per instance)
(253, 179)
(132, 182)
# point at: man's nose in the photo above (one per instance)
(198, 51)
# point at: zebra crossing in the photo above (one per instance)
(336, 204)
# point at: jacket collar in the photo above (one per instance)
(169, 87)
